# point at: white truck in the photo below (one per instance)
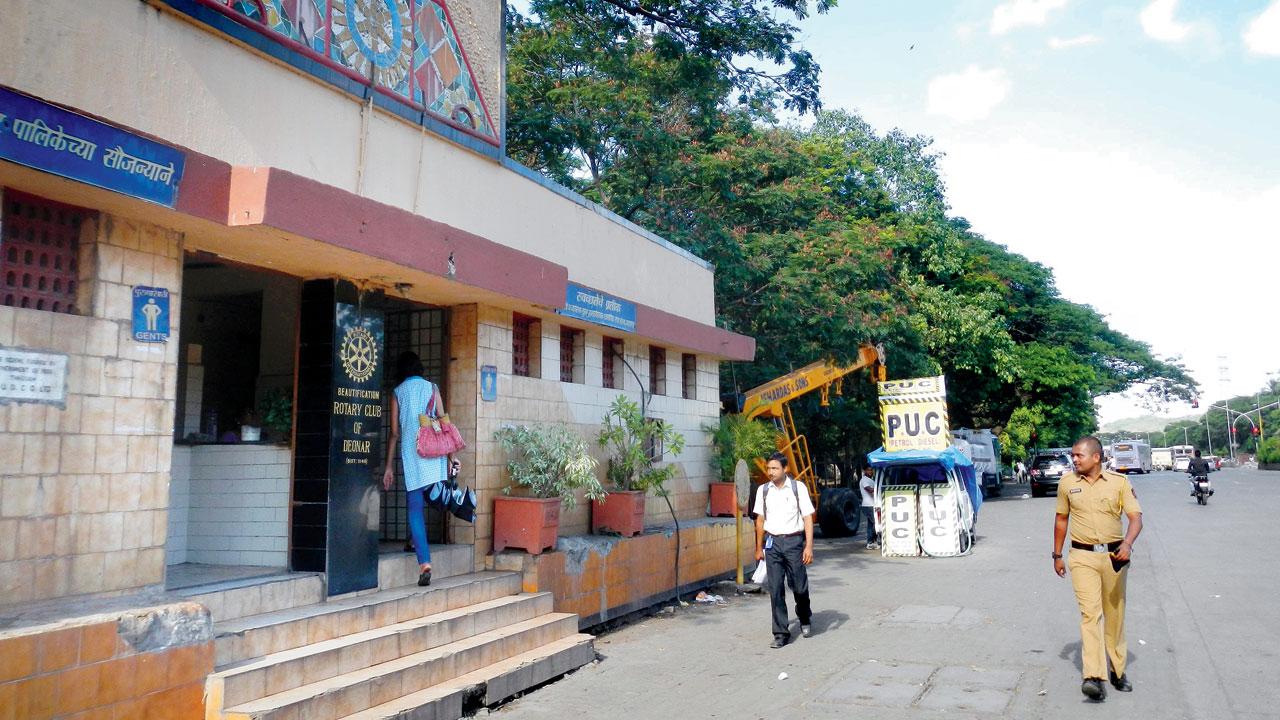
(1161, 459)
(984, 450)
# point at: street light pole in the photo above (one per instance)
(1231, 441)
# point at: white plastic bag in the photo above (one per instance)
(761, 574)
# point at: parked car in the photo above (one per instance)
(1046, 470)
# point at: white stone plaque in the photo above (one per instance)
(28, 376)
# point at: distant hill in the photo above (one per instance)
(1145, 423)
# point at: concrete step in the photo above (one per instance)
(399, 569)
(493, 683)
(277, 672)
(243, 638)
(240, 598)
(369, 687)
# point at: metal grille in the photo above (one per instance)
(689, 375)
(657, 370)
(568, 338)
(612, 349)
(520, 327)
(425, 332)
(39, 247)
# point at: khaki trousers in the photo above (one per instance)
(1100, 594)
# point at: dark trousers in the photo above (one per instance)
(785, 568)
(869, 516)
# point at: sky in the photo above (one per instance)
(1132, 147)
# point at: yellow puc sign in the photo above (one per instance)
(913, 414)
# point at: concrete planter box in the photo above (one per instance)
(723, 498)
(622, 511)
(530, 524)
(1269, 466)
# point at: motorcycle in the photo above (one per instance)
(1202, 490)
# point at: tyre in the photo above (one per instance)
(1200, 498)
(838, 512)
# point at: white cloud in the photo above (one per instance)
(1158, 21)
(1017, 13)
(969, 95)
(1148, 242)
(1262, 37)
(1058, 43)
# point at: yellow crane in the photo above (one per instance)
(837, 506)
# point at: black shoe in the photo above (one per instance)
(778, 642)
(1121, 683)
(1094, 689)
(425, 578)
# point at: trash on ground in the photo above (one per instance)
(707, 598)
(1025, 496)
(1142, 642)
(782, 676)
(1043, 692)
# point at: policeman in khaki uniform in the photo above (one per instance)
(1092, 500)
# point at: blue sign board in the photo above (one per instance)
(489, 383)
(48, 138)
(597, 307)
(150, 314)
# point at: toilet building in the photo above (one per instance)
(222, 221)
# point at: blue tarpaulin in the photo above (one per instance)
(923, 460)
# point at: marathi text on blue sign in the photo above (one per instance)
(597, 307)
(150, 314)
(48, 138)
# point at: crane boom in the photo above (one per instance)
(771, 400)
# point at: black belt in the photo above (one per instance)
(1100, 547)
(798, 532)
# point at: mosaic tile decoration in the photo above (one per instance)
(407, 48)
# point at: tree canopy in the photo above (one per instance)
(824, 236)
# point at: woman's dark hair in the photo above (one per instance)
(408, 365)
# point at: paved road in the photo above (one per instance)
(993, 635)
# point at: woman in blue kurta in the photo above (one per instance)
(412, 397)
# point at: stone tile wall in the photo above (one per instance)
(236, 509)
(486, 332)
(602, 577)
(109, 668)
(83, 489)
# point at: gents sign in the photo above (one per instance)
(48, 138)
(913, 414)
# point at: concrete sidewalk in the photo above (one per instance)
(992, 635)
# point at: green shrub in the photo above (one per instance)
(1269, 452)
(632, 437)
(551, 461)
(737, 438)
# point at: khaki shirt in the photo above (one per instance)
(1094, 509)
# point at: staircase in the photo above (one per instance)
(400, 652)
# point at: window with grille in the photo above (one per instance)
(569, 342)
(657, 370)
(610, 353)
(39, 249)
(520, 327)
(689, 375)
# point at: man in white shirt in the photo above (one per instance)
(867, 484)
(784, 541)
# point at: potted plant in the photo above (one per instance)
(735, 438)
(550, 463)
(276, 410)
(637, 443)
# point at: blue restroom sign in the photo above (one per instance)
(150, 314)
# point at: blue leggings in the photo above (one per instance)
(418, 524)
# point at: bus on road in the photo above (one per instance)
(1131, 456)
(1161, 459)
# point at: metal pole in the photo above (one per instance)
(1185, 441)
(1231, 441)
(1208, 437)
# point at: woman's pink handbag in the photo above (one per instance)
(437, 436)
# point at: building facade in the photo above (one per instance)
(223, 220)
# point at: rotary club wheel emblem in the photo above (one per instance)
(359, 354)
